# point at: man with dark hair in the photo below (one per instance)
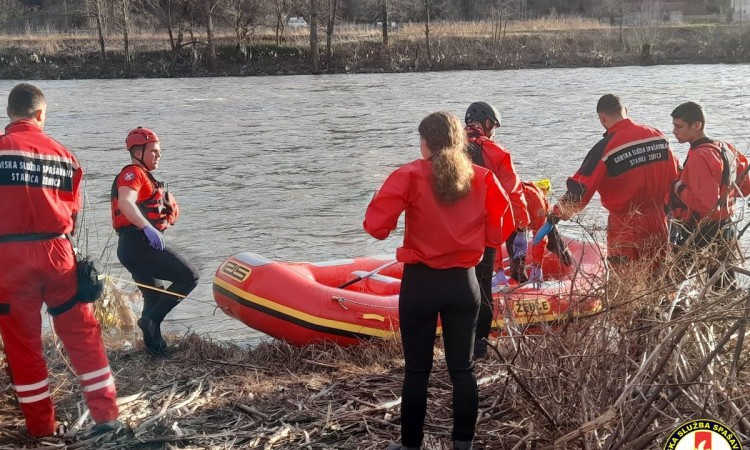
(142, 209)
(39, 201)
(632, 168)
(482, 119)
(611, 105)
(714, 174)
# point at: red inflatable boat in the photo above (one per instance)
(303, 303)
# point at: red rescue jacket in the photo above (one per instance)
(437, 234)
(39, 182)
(499, 162)
(632, 168)
(711, 169)
(158, 206)
(538, 209)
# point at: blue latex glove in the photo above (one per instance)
(499, 279)
(154, 237)
(544, 231)
(535, 274)
(520, 244)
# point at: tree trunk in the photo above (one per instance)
(176, 52)
(622, 12)
(210, 36)
(427, 30)
(169, 24)
(100, 29)
(385, 24)
(66, 23)
(125, 27)
(314, 55)
(329, 30)
(280, 10)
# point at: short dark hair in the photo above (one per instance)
(136, 148)
(690, 112)
(25, 99)
(609, 104)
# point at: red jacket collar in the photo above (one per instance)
(701, 141)
(619, 125)
(22, 125)
(475, 134)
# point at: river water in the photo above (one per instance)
(284, 166)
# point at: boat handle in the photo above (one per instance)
(340, 300)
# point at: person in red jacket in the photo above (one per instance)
(536, 194)
(482, 119)
(633, 169)
(39, 199)
(453, 211)
(713, 175)
(142, 209)
(536, 198)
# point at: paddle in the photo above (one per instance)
(369, 274)
(542, 232)
(557, 246)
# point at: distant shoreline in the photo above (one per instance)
(78, 57)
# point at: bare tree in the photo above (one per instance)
(424, 10)
(648, 23)
(10, 9)
(125, 29)
(280, 9)
(167, 9)
(385, 23)
(208, 6)
(242, 16)
(314, 55)
(182, 18)
(427, 6)
(332, 11)
(99, 16)
(500, 12)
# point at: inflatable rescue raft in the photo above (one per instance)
(302, 302)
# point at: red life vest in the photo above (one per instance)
(701, 202)
(160, 208)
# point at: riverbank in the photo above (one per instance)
(452, 47)
(625, 378)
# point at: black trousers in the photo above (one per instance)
(452, 295)
(147, 265)
(484, 276)
(719, 235)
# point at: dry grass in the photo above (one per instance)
(659, 353)
(358, 48)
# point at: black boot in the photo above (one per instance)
(105, 427)
(152, 339)
(480, 349)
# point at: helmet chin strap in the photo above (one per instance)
(489, 132)
(140, 160)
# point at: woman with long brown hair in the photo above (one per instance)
(453, 210)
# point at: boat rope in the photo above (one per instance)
(341, 300)
(145, 286)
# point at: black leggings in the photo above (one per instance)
(484, 276)
(452, 294)
(147, 265)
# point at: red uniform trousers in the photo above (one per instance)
(636, 235)
(33, 273)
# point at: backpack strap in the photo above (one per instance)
(476, 153)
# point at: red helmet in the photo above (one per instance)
(140, 136)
